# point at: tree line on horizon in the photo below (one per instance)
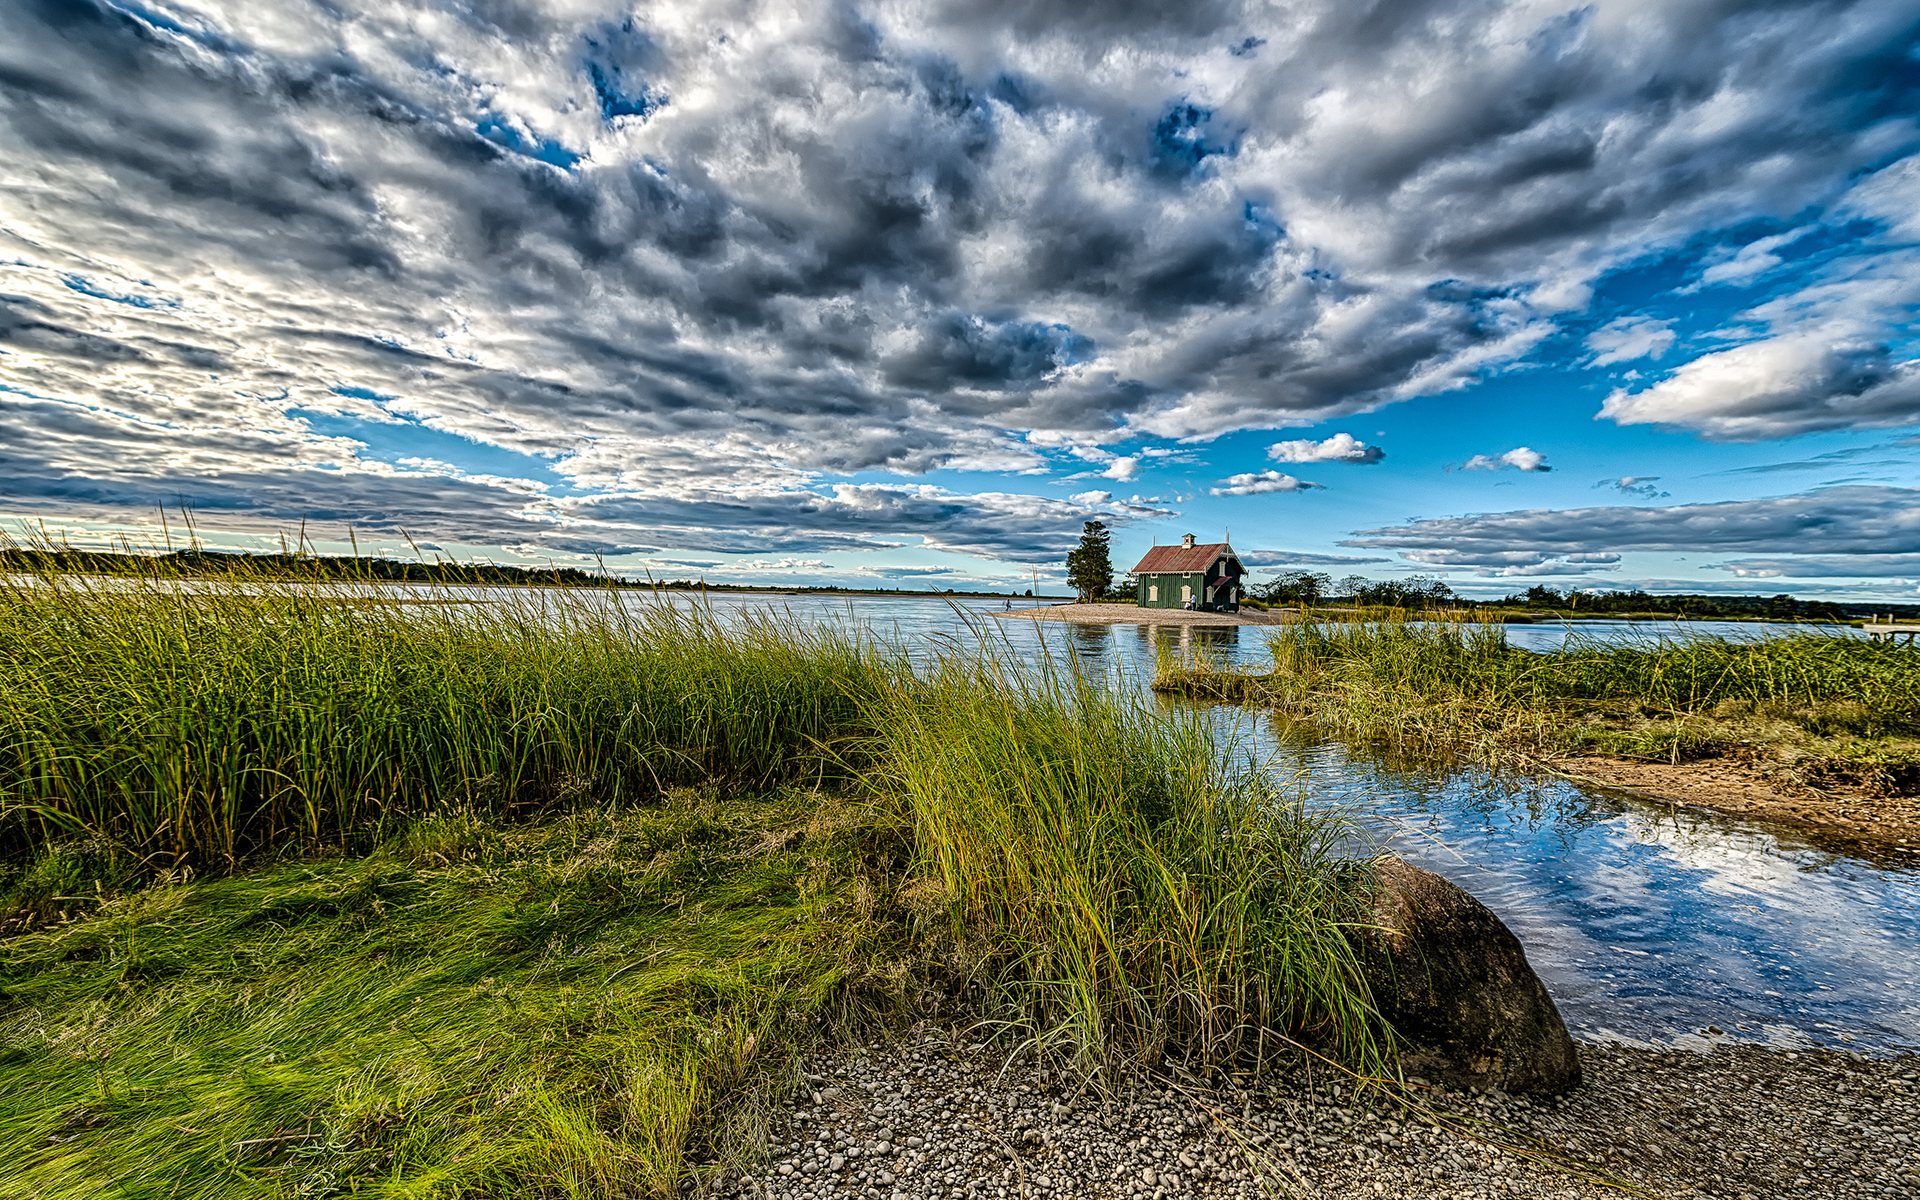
(1090, 572)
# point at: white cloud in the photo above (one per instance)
(1291, 558)
(1832, 356)
(1259, 483)
(1749, 262)
(1627, 338)
(1801, 382)
(1122, 470)
(1520, 458)
(1341, 447)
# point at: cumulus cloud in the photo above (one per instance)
(1628, 338)
(707, 248)
(1341, 447)
(1863, 521)
(1259, 483)
(1800, 383)
(1519, 458)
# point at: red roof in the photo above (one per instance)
(1183, 559)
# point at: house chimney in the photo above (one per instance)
(1187, 541)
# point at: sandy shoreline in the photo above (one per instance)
(1741, 789)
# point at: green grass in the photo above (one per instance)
(555, 1010)
(304, 895)
(205, 723)
(1122, 878)
(1457, 686)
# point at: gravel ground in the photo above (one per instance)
(929, 1117)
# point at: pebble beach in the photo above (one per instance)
(933, 1117)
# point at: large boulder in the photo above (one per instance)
(1453, 980)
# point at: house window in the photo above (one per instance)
(1186, 594)
(1153, 592)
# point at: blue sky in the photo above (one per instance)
(1600, 295)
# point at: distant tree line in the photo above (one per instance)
(299, 566)
(1307, 588)
(347, 568)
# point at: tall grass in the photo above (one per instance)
(203, 723)
(458, 931)
(595, 1005)
(1457, 682)
(1124, 882)
(1471, 660)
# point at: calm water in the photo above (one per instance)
(1647, 923)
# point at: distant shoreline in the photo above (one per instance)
(1133, 614)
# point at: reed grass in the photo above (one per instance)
(310, 893)
(206, 723)
(1118, 877)
(1455, 683)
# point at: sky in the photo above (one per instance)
(1604, 295)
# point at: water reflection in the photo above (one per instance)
(1646, 921)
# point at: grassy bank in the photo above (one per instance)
(309, 896)
(1827, 707)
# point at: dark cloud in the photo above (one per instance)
(1865, 521)
(1817, 566)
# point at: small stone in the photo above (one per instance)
(1147, 1176)
(914, 1143)
(836, 1162)
(884, 1148)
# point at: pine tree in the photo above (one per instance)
(1089, 567)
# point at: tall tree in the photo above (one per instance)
(1089, 567)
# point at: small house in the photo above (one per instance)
(1205, 577)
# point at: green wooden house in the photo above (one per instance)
(1204, 577)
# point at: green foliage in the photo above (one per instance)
(1639, 604)
(1090, 565)
(1305, 588)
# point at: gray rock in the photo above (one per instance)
(1454, 981)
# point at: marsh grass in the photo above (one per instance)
(312, 893)
(1118, 878)
(1453, 685)
(207, 722)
